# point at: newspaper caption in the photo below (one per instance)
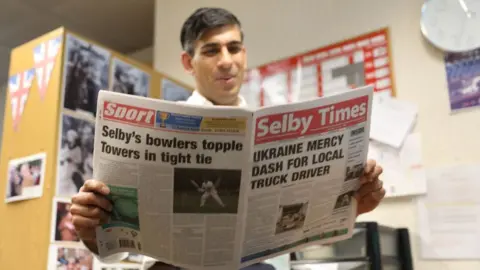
(134, 137)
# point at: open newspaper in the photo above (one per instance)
(225, 187)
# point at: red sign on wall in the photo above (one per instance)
(355, 62)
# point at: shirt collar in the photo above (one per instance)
(198, 99)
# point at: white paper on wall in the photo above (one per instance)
(449, 215)
(403, 169)
(392, 121)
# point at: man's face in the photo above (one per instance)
(218, 64)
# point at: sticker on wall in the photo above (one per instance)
(463, 78)
(19, 86)
(174, 92)
(44, 56)
(25, 177)
(128, 79)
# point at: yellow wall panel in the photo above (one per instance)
(25, 226)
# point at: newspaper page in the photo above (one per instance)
(307, 160)
(225, 187)
(176, 174)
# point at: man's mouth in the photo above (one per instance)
(225, 78)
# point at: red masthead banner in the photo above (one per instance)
(317, 120)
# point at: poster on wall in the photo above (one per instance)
(19, 88)
(128, 79)
(359, 61)
(25, 177)
(63, 231)
(86, 73)
(75, 157)
(463, 78)
(174, 92)
(44, 56)
(67, 257)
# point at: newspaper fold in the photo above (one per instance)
(227, 187)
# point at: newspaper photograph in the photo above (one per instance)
(226, 187)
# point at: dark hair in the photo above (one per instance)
(202, 20)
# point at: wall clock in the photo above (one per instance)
(451, 25)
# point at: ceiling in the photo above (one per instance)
(122, 25)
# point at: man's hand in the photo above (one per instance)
(371, 190)
(89, 209)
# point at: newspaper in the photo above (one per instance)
(225, 187)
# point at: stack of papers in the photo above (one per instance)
(396, 148)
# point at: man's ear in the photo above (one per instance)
(187, 62)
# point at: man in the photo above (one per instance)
(215, 56)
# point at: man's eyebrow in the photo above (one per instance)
(215, 44)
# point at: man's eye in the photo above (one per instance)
(234, 49)
(211, 52)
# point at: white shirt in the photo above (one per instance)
(198, 99)
(195, 98)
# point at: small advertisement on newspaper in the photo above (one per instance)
(226, 187)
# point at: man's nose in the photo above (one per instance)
(225, 61)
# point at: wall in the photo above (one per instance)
(144, 55)
(276, 29)
(3, 97)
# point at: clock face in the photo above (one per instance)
(452, 25)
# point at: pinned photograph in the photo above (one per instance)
(128, 79)
(85, 74)
(174, 92)
(292, 217)
(25, 178)
(63, 230)
(206, 191)
(343, 200)
(66, 258)
(75, 158)
(354, 172)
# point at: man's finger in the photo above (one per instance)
(370, 166)
(84, 223)
(90, 198)
(92, 185)
(369, 188)
(377, 172)
(87, 235)
(89, 211)
(379, 195)
(365, 179)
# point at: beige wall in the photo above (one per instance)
(276, 29)
(144, 55)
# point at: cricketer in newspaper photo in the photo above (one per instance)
(206, 190)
